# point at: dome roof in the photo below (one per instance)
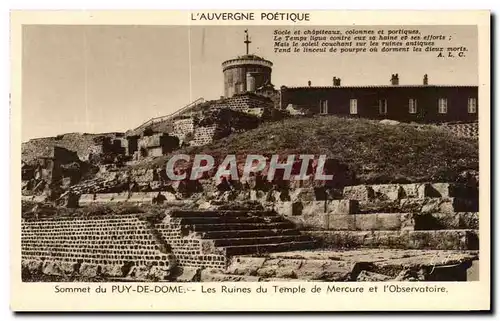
(247, 59)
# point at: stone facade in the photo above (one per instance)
(157, 144)
(189, 251)
(59, 167)
(183, 128)
(418, 103)
(95, 240)
(470, 130)
(247, 103)
(114, 240)
(204, 135)
(245, 73)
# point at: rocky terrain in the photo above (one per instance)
(403, 205)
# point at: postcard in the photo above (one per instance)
(250, 160)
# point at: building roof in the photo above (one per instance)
(248, 58)
(379, 86)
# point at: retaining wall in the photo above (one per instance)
(117, 246)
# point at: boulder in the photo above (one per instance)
(302, 195)
(388, 191)
(214, 275)
(365, 276)
(242, 265)
(68, 267)
(51, 268)
(410, 275)
(389, 122)
(341, 222)
(311, 221)
(416, 190)
(326, 270)
(342, 206)
(112, 270)
(288, 208)
(359, 192)
(33, 267)
(258, 195)
(314, 207)
(159, 273)
(188, 274)
(89, 270)
(280, 268)
(138, 272)
(438, 205)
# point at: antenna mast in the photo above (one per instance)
(247, 41)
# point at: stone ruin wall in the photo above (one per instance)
(204, 135)
(182, 128)
(189, 251)
(245, 103)
(440, 216)
(251, 104)
(111, 246)
(378, 216)
(470, 130)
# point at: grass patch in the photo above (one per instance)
(377, 153)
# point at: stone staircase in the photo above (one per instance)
(236, 232)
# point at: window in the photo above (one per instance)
(353, 107)
(382, 106)
(412, 106)
(472, 106)
(443, 105)
(323, 107)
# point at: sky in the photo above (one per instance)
(98, 79)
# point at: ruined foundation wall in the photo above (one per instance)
(189, 251)
(204, 135)
(95, 240)
(245, 103)
(470, 130)
(113, 246)
(182, 128)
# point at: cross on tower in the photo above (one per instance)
(247, 41)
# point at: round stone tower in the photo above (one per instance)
(245, 73)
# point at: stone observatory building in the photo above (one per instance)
(246, 73)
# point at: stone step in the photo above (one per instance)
(403, 221)
(370, 222)
(268, 248)
(232, 219)
(420, 205)
(416, 190)
(303, 269)
(436, 240)
(446, 221)
(241, 226)
(260, 240)
(387, 221)
(219, 213)
(247, 233)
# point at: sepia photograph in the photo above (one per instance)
(222, 159)
(280, 158)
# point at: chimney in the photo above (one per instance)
(395, 79)
(336, 81)
(426, 80)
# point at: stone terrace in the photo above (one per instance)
(440, 218)
(128, 246)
